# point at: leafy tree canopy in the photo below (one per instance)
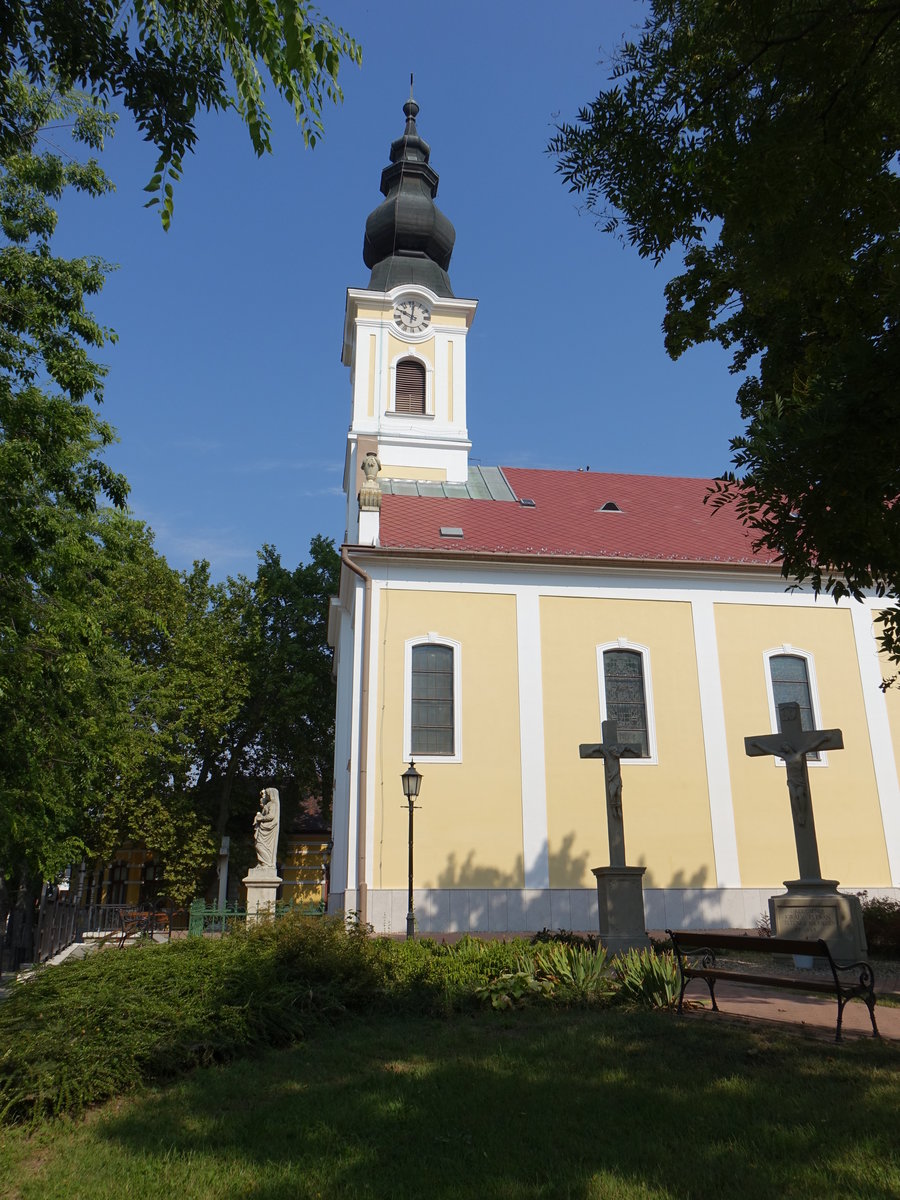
(131, 696)
(761, 141)
(167, 59)
(283, 731)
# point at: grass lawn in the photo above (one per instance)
(537, 1103)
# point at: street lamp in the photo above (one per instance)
(412, 781)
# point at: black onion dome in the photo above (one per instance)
(408, 239)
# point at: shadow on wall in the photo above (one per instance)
(566, 870)
(699, 879)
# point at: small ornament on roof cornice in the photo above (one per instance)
(370, 492)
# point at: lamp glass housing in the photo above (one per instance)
(411, 780)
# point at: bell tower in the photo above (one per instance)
(405, 341)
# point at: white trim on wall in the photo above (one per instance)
(535, 849)
(882, 745)
(437, 640)
(715, 744)
(624, 644)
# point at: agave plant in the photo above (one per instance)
(647, 978)
(575, 971)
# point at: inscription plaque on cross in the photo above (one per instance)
(612, 751)
(792, 744)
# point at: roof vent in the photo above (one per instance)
(528, 503)
(451, 531)
(609, 506)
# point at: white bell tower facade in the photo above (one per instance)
(405, 341)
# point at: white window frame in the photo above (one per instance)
(435, 639)
(411, 352)
(644, 651)
(806, 655)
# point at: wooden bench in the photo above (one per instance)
(699, 953)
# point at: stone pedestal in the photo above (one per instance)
(620, 896)
(814, 908)
(262, 884)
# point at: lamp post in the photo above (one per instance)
(411, 780)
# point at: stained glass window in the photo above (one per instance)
(790, 684)
(626, 702)
(432, 700)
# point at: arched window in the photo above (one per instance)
(432, 703)
(409, 388)
(626, 697)
(431, 727)
(789, 676)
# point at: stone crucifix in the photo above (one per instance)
(612, 751)
(792, 744)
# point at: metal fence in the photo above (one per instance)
(206, 918)
(61, 920)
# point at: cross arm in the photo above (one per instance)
(781, 744)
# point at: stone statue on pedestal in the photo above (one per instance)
(265, 828)
(262, 881)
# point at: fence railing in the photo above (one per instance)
(206, 918)
(63, 920)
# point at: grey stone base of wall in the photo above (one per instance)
(461, 910)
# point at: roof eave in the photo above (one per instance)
(522, 558)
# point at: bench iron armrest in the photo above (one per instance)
(865, 984)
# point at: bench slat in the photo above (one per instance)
(754, 945)
(777, 981)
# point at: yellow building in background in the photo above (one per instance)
(489, 619)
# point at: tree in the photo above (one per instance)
(108, 665)
(131, 697)
(762, 140)
(283, 733)
(170, 58)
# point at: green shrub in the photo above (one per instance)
(550, 970)
(512, 989)
(566, 937)
(647, 978)
(881, 918)
(86, 1031)
(576, 972)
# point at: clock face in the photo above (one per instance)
(412, 316)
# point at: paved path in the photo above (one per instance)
(815, 1014)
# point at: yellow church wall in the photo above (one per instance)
(433, 474)
(424, 350)
(666, 804)
(468, 830)
(844, 796)
(445, 320)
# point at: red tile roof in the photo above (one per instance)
(661, 518)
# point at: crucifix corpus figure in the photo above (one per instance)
(612, 751)
(792, 744)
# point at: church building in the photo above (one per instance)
(490, 618)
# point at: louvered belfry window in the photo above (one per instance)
(409, 394)
(623, 678)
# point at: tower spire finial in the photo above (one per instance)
(411, 85)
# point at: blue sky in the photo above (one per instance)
(226, 384)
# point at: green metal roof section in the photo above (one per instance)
(484, 483)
